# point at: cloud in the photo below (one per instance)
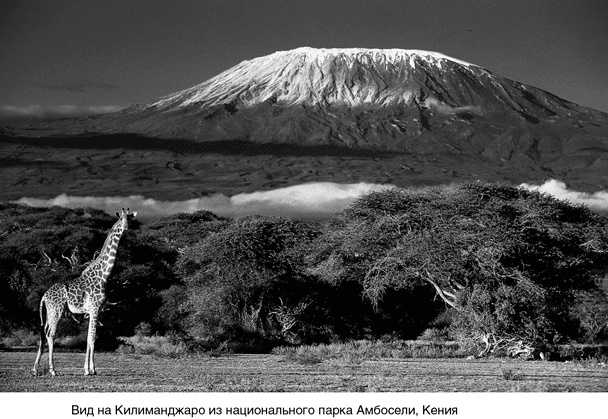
(315, 201)
(312, 200)
(38, 112)
(558, 189)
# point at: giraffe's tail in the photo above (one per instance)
(43, 324)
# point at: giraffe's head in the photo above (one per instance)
(125, 216)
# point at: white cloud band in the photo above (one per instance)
(315, 201)
(558, 189)
(310, 201)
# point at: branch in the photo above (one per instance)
(48, 259)
(70, 261)
(449, 294)
(446, 296)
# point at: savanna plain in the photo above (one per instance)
(119, 372)
(438, 289)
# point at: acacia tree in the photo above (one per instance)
(244, 282)
(505, 260)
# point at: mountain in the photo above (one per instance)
(354, 97)
(437, 114)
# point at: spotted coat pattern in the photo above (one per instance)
(83, 295)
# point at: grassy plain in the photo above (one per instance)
(120, 372)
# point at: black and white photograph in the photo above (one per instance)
(313, 208)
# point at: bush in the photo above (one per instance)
(155, 345)
(183, 230)
(434, 335)
(591, 309)
(360, 350)
(27, 337)
(21, 337)
(144, 329)
(9, 342)
(246, 280)
(74, 342)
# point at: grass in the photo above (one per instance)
(303, 356)
(510, 374)
(20, 337)
(43, 369)
(155, 345)
(269, 373)
(356, 352)
(581, 352)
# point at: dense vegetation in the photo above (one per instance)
(486, 263)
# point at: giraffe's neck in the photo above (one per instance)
(107, 257)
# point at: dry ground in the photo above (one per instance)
(271, 373)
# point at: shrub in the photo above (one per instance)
(183, 230)
(11, 341)
(433, 334)
(26, 337)
(155, 345)
(143, 329)
(21, 337)
(170, 316)
(510, 374)
(73, 342)
(247, 280)
(358, 351)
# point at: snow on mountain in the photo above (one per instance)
(383, 116)
(361, 78)
(388, 99)
(316, 77)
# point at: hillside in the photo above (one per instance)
(404, 117)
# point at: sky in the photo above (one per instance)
(89, 56)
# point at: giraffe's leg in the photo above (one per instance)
(54, 314)
(89, 361)
(41, 310)
(86, 357)
(40, 350)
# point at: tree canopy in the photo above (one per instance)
(480, 261)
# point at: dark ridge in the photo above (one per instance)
(183, 146)
(529, 118)
(17, 162)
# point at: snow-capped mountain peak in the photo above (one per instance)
(388, 99)
(394, 55)
(351, 77)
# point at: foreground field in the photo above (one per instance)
(272, 373)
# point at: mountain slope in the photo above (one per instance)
(368, 98)
(437, 115)
(302, 93)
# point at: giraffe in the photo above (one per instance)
(85, 294)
